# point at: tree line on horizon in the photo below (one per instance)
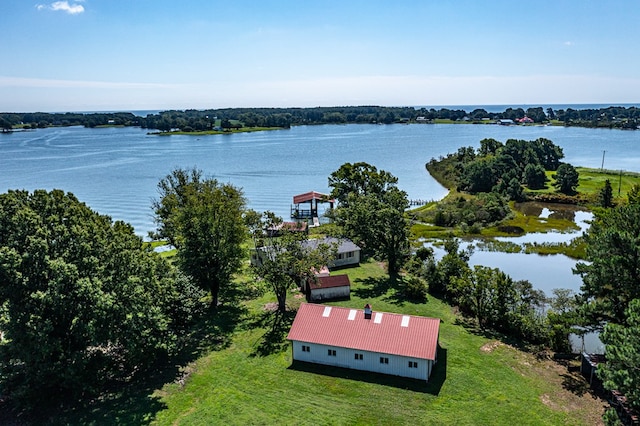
(206, 119)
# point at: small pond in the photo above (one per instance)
(545, 272)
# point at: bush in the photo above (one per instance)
(415, 289)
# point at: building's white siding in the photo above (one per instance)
(346, 258)
(319, 294)
(346, 358)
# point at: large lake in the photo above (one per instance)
(116, 170)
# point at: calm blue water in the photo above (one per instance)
(116, 170)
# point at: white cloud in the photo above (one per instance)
(71, 84)
(63, 6)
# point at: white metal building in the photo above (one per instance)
(381, 342)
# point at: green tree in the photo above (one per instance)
(611, 279)
(622, 369)
(566, 179)
(359, 179)
(371, 212)
(284, 258)
(548, 153)
(5, 125)
(85, 301)
(203, 220)
(605, 196)
(633, 196)
(534, 176)
(475, 293)
(478, 176)
(489, 146)
(454, 264)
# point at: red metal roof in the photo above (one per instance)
(395, 334)
(313, 195)
(330, 281)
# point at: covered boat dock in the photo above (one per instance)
(300, 210)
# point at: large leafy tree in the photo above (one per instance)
(612, 278)
(622, 369)
(203, 220)
(371, 212)
(83, 300)
(534, 176)
(284, 257)
(548, 153)
(566, 178)
(359, 179)
(489, 146)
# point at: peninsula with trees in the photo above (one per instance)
(234, 119)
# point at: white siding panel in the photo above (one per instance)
(397, 366)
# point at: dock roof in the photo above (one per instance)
(312, 195)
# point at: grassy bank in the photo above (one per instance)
(245, 376)
(478, 379)
(591, 182)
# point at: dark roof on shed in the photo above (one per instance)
(330, 281)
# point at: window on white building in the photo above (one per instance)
(384, 360)
(413, 364)
(306, 348)
(359, 357)
(331, 352)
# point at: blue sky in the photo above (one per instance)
(85, 55)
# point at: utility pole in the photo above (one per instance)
(602, 166)
(620, 183)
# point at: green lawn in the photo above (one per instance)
(250, 379)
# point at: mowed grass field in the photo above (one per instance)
(250, 380)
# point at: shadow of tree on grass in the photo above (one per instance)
(133, 402)
(277, 324)
(575, 384)
(369, 288)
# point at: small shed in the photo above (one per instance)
(328, 288)
(380, 342)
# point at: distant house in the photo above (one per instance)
(348, 253)
(525, 120)
(380, 342)
(506, 122)
(325, 287)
